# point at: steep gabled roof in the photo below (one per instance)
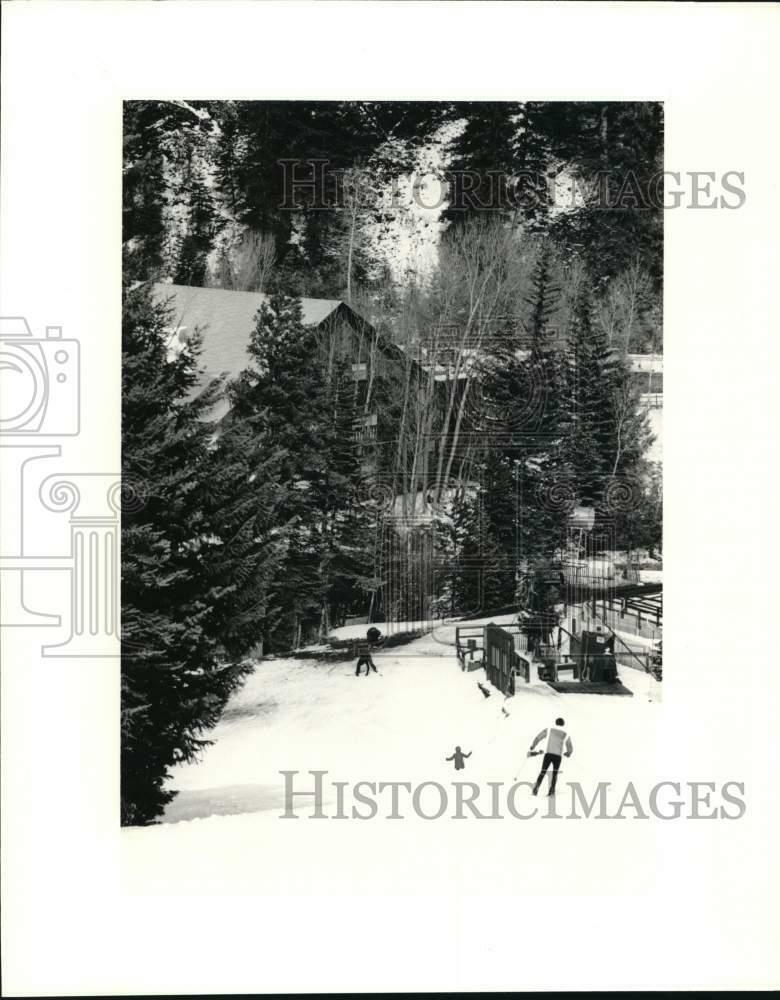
(226, 320)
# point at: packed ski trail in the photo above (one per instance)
(224, 829)
(400, 724)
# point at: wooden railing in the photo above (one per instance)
(469, 640)
(640, 616)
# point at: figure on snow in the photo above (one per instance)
(557, 738)
(459, 757)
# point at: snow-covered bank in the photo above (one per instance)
(440, 626)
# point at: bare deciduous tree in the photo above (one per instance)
(626, 312)
(244, 264)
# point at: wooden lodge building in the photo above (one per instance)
(226, 319)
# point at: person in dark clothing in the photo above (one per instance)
(459, 758)
(364, 659)
(373, 639)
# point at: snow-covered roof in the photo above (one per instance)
(226, 319)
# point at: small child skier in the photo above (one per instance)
(459, 758)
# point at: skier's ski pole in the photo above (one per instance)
(531, 753)
(495, 733)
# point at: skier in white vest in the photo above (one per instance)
(557, 738)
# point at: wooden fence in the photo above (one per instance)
(502, 661)
(498, 649)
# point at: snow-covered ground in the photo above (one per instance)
(224, 829)
(359, 631)
(636, 642)
(441, 626)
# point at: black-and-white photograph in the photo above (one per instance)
(392, 381)
(377, 380)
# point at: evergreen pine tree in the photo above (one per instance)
(606, 432)
(350, 529)
(143, 194)
(533, 159)
(198, 552)
(483, 159)
(198, 239)
(592, 381)
(282, 395)
(306, 406)
(542, 300)
(525, 395)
